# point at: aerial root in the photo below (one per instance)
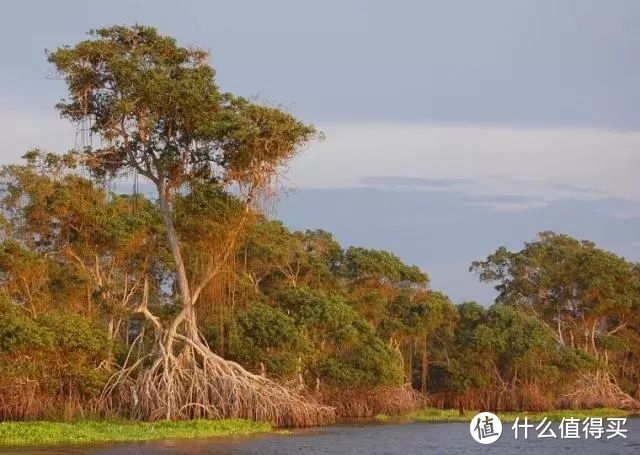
(598, 389)
(369, 402)
(197, 383)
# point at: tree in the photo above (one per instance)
(347, 351)
(159, 114)
(588, 296)
(502, 358)
(267, 339)
(50, 364)
(583, 292)
(275, 257)
(66, 237)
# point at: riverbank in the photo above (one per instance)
(452, 415)
(93, 431)
(87, 431)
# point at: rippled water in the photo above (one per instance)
(370, 438)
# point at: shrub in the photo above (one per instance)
(48, 363)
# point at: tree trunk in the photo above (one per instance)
(192, 381)
(593, 338)
(425, 367)
(409, 372)
(560, 337)
(187, 311)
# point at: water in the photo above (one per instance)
(370, 438)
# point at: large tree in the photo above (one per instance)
(158, 113)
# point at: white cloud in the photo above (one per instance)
(498, 206)
(548, 163)
(545, 163)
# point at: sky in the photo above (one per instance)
(451, 127)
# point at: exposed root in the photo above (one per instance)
(501, 396)
(374, 401)
(197, 383)
(598, 389)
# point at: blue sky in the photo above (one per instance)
(452, 127)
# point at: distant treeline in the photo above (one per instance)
(77, 262)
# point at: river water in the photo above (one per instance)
(366, 438)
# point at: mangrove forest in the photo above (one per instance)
(141, 277)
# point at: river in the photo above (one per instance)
(365, 438)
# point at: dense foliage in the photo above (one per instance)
(296, 306)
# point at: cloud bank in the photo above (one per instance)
(544, 163)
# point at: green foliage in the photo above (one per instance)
(573, 360)
(180, 128)
(587, 296)
(382, 266)
(67, 238)
(60, 352)
(90, 431)
(54, 331)
(277, 258)
(572, 284)
(423, 314)
(501, 343)
(266, 335)
(348, 353)
(366, 363)
(17, 329)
